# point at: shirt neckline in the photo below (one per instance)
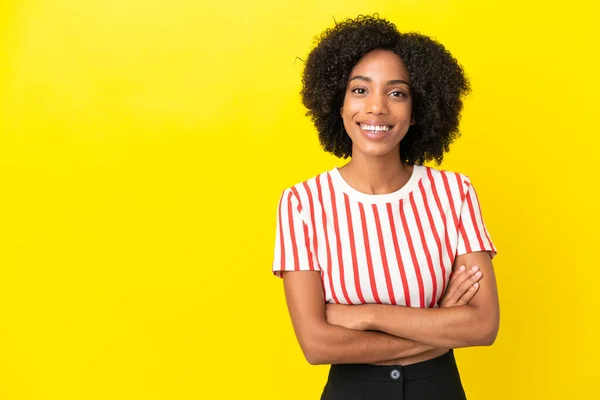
(340, 183)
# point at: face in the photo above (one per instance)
(378, 104)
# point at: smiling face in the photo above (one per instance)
(377, 105)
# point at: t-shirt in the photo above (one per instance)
(396, 248)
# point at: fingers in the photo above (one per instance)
(460, 276)
(469, 294)
(462, 287)
(468, 288)
(473, 277)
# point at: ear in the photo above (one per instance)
(341, 110)
(412, 121)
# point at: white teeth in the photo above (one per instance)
(375, 128)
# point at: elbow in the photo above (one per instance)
(487, 338)
(314, 358)
(314, 349)
(315, 355)
(492, 334)
(487, 332)
(484, 328)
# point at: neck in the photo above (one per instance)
(376, 175)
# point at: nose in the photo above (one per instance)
(377, 104)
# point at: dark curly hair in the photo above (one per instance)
(437, 86)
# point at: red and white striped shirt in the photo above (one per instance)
(395, 248)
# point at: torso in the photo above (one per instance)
(395, 248)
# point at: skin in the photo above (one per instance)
(463, 325)
(325, 342)
(378, 93)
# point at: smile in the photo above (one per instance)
(375, 128)
(375, 131)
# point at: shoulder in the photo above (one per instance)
(446, 174)
(450, 180)
(304, 191)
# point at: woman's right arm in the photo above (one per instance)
(323, 343)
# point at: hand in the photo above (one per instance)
(462, 287)
(349, 316)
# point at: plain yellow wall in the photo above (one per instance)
(143, 148)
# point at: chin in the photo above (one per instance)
(376, 151)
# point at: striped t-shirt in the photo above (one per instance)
(395, 248)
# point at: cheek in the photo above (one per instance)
(349, 109)
(403, 111)
(409, 106)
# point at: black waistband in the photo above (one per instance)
(410, 372)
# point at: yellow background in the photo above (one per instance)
(143, 148)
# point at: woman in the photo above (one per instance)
(386, 262)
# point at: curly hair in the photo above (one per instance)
(438, 84)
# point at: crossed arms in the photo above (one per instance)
(371, 333)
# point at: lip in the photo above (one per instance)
(374, 122)
(374, 135)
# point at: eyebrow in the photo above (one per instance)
(367, 79)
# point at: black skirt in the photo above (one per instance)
(435, 379)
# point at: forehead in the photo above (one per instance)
(382, 64)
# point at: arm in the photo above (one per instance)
(324, 343)
(472, 324)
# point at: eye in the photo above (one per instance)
(359, 90)
(398, 93)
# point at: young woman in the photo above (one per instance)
(386, 263)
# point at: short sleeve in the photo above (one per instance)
(472, 233)
(293, 239)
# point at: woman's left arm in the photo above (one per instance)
(473, 324)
